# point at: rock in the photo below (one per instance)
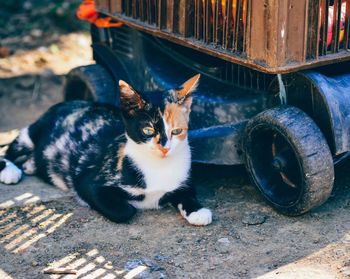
(179, 239)
(54, 49)
(35, 263)
(223, 249)
(4, 52)
(60, 11)
(233, 233)
(254, 218)
(108, 265)
(345, 271)
(223, 246)
(43, 49)
(316, 240)
(160, 258)
(150, 269)
(224, 240)
(346, 239)
(178, 263)
(27, 39)
(41, 61)
(135, 237)
(36, 33)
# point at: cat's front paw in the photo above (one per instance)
(201, 217)
(10, 174)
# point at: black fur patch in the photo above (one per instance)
(2, 165)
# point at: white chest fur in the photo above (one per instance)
(161, 175)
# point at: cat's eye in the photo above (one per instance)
(148, 131)
(176, 132)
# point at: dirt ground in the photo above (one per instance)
(41, 227)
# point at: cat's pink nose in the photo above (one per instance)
(164, 150)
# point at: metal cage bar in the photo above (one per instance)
(268, 35)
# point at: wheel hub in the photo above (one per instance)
(279, 163)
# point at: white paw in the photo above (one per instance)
(10, 174)
(202, 217)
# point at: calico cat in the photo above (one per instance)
(117, 160)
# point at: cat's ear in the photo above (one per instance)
(129, 98)
(183, 94)
(188, 87)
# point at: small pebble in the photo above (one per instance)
(254, 218)
(224, 240)
(178, 263)
(135, 237)
(54, 49)
(223, 249)
(109, 265)
(223, 246)
(4, 52)
(345, 271)
(160, 258)
(27, 39)
(60, 11)
(37, 33)
(179, 239)
(316, 240)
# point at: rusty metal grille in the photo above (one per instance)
(221, 23)
(328, 30)
(268, 35)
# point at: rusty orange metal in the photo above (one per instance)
(87, 11)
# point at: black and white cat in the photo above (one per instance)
(116, 160)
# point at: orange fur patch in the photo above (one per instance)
(176, 117)
(189, 86)
(121, 156)
(156, 139)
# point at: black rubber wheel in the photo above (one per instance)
(92, 83)
(288, 160)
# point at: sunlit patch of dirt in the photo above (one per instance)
(69, 51)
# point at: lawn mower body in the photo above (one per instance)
(255, 105)
(223, 105)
